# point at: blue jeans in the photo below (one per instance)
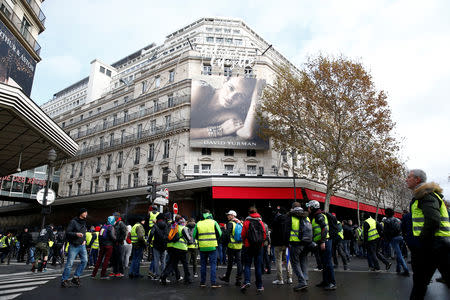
(395, 243)
(255, 257)
(73, 252)
(328, 269)
(159, 261)
(346, 244)
(298, 256)
(137, 253)
(93, 256)
(204, 255)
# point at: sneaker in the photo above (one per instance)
(300, 287)
(278, 282)
(112, 274)
(289, 281)
(195, 275)
(245, 286)
(104, 277)
(224, 279)
(65, 284)
(260, 290)
(388, 266)
(163, 281)
(330, 287)
(118, 275)
(317, 269)
(215, 285)
(150, 275)
(76, 281)
(202, 285)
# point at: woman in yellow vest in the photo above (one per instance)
(177, 248)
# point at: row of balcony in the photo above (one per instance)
(135, 136)
(20, 25)
(37, 10)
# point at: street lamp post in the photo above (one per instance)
(51, 159)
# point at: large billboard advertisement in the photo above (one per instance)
(223, 113)
(16, 65)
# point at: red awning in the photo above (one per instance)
(235, 192)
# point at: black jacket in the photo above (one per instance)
(159, 234)
(392, 228)
(279, 224)
(26, 239)
(46, 235)
(348, 232)
(110, 237)
(121, 232)
(76, 225)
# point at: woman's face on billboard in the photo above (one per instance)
(232, 93)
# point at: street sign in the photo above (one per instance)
(166, 190)
(51, 195)
(163, 193)
(175, 208)
(161, 201)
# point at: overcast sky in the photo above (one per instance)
(405, 44)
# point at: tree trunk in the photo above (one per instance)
(376, 215)
(326, 207)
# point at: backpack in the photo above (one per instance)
(237, 232)
(333, 228)
(255, 234)
(305, 231)
(173, 233)
(104, 232)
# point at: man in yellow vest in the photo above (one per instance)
(431, 226)
(371, 232)
(139, 244)
(94, 244)
(234, 248)
(207, 232)
(177, 250)
(321, 237)
(4, 245)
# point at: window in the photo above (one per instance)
(238, 42)
(99, 109)
(114, 119)
(92, 187)
(171, 75)
(227, 30)
(139, 131)
(125, 99)
(79, 188)
(227, 71)
(96, 186)
(218, 29)
(229, 152)
(135, 179)
(70, 190)
(285, 173)
(72, 173)
(261, 171)
(149, 176)
(219, 40)
(120, 160)
(168, 118)
(157, 81)
(196, 168)
(229, 169)
(229, 41)
(251, 152)
(81, 168)
(63, 124)
(102, 69)
(166, 148)
(236, 31)
(105, 123)
(151, 152)
(165, 175)
(209, 39)
(102, 141)
(5, 10)
(142, 110)
(284, 156)
(122, 136)
(116, 103)
(111, 139)
(144, 87)
(153, 125)
(206, 151)
(108, 164)
(251, 169)
(206, 168)
(209, 29)
(248, 72)
(90, 113)
(81, 117)
(155, 105)
(24, 27)
(99, 159)
(137, 155)
(207, 69)
(129, 180)
(170, 100)
(106, 184)
(125, 115)
(119, 182)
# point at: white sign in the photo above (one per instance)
(161, 201)
(163, 193)
(51, 195)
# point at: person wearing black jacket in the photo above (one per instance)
(42, 248)
(76, 236)
(121, 233)
(280, 244)
(25, 240)
(158, 235)
(393, 235)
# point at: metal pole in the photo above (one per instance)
(44, 201)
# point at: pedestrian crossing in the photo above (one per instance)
(13, 285)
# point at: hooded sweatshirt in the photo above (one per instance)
(254, 216)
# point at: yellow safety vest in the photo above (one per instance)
(233, 244)
(152, 219)
(95, 244)
(418, 219)
(206, 233)
(181, 243)
(3, 242)
(50, 243)
(134, 237)
(341, 232)
(317, 231)
(373, 232)
(88, 237)
(194, 245)
(295, 229)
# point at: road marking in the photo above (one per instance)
(16, 283)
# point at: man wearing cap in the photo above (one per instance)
(121, 233)
(321, 237)
(76, 236)
(233, 248)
